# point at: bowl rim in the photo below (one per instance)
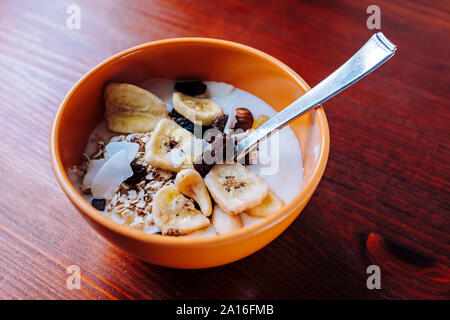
(82, 205)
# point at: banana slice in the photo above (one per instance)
(198, 110)
(259, 121)
(131, 109)
(190, 183)
(271, 204)
(167, 136)
(235, 188)
(224, 223)
(174, 214)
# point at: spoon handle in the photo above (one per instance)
(372, 54)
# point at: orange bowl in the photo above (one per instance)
(189, 58)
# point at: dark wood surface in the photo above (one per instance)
(384, 198)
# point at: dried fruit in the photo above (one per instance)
(98, 204)
(132, 109)
(203, 168)
(198, 110)
(271, 204)
(139, 173)
(167, 136)
(174, 214)
(259, 121)
(235, 188)
(182, 121)
(191, 88)
(219, 122)
(223, 222)
(190, 183)
(174, 114)
(186, 124)
(220, 151)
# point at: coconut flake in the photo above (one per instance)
(130, 148)
(218, 89)
(151, 229)
(195, 147)
(93, 168)
(176, 157)
(111, 175)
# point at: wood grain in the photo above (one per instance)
(384, 198)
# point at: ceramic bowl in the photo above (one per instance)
(189, 58)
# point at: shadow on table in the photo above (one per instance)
(291, 267)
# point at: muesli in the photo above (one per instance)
(145, 165)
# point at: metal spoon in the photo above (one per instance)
(372, 54)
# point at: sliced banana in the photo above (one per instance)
(132, 109)
(190, 183)
(174, 214)
(223, 222)
(198, 110)
(259, 121)
(167, 136)
(235, 188)
(271, 204)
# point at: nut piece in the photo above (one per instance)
(244, 119)
(131, 109)
(224, 223)
(190, 183)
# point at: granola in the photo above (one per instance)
(131, 204)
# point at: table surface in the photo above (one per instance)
(383, 200)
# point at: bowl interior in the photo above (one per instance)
(190, 58)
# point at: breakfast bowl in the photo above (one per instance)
(246, 68)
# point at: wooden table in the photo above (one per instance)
(384, 198)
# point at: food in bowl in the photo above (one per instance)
(141, 165)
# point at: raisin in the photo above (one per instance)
(175, 114)
(98, 204)
(203, 168)
(186, 124)
(139, 173)
(181, 120)
(222, 151)
(219, 122)
(191, 88)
